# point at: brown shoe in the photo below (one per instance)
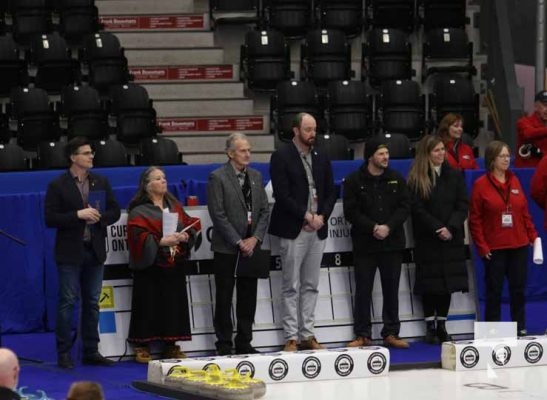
(290, 345)
(360, 342)
(310, 344)
(142, 354)
(395, 342)
(173, 351)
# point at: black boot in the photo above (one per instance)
(442, 334)
(431, 333)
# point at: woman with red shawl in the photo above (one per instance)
(159, 309)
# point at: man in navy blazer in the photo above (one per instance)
(238, 207)
(304, 192)
(80, 205)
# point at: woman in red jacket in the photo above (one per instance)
(458, 154)
(502, 231)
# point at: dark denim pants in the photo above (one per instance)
(74, 280)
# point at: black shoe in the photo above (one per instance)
(247, 350)
(442, 334)
(431, 336)
(97, 359)
(224, 350)
(65, 361)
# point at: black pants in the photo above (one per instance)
(389, 264)
(224, 265)
(513, 264)
(436, 305)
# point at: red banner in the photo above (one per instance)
(186, 73)
(134, 22)
(211, 124)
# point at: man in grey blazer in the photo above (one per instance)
(238, 207)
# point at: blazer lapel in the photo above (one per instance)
(230, 174)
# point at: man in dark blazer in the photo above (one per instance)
(80, 205)
(304, 193)
(238, 207)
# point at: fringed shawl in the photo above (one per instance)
(144, 232)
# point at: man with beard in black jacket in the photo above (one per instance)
(377, 203)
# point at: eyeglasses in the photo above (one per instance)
(85, 153)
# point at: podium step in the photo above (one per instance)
(341, 363)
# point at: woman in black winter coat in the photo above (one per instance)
(439, 209)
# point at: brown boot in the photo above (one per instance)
(310, 343)
(290, 345)
(395, 342)
(142, 354)
(173, 351)
(361, 341)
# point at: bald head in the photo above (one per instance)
(9, 369)
(85, 390)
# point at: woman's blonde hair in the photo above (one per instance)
(420, 180)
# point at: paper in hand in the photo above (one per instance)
(538, 251)
(170, 222)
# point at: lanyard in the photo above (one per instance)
(504, 198)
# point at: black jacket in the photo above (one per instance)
(290, 189)
(63, 200)
(8, 394)
(441, 264)
(371, 200)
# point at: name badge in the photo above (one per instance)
(314, 201)
(249, 217)
(506, 220)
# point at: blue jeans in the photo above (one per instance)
(85, 279)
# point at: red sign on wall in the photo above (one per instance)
(194, 72)
(134, 22)
(211, 124)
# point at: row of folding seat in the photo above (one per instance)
(107, 153)
(349, 109)
(295, 18)
(326, 56)
(25, 19)
(49, 63)
(81, 112)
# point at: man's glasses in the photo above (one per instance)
(86, 153)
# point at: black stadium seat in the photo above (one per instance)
(13, 69)
(51, 155)
(81, 106)
(12, 158)
(326, 56)
(159, 151)
(110, 153)
(264, 59)
(344, 15)
(134, 113)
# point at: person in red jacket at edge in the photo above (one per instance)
(538, 188)
(532, 134)
(458, 154)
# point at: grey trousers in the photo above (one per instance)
(300, 263)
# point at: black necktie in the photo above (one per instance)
(246, 189)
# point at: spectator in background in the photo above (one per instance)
(458, 154)
(304, 193)
(85, 390)
(439, 210)
(377, 203)
(159, 305)
(239, 210)
(538, 188)
(80, 205)
(9, 375)
(502, 231)
(532, 134)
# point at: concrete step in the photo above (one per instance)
(169, 56)
(203, 108)
(152, 23)
(216, 144)
(186, 73)
(204, 90)
(220, 158)
(140, 7)
(250, 124)
(161, 40)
